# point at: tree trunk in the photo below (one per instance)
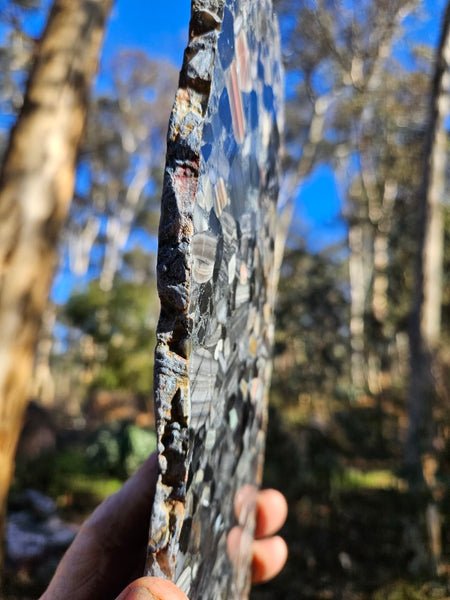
(425, 321)
(365, 246)
(379, 379)
(36, 186)
(358, 265)
(42, 382)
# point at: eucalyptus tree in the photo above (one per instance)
(121, 162)
(354, 104)
(36, 186)
(422, 454)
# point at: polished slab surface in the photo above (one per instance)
(216, 280)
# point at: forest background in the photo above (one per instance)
(360, 415)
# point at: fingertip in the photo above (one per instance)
(271, 512)
(269, 558)
(152, 588)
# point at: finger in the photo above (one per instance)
(269, 557)
(269, 554)
(152, 588)
(271, 513)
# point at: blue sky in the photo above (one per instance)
(161, 28)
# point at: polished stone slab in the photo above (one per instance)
(216, 280)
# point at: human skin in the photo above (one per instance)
(109, 550)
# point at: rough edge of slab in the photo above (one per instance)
(172, 402)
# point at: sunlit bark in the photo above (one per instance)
(370, 251)
(358, 291)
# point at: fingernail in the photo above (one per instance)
(140, 593)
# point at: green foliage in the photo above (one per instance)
(404, 591)
(66, 476)
(353, 478)
(119, 449)
(91, 469)
(312, 342)
(398, 591)
(121, 326)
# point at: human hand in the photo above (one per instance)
(269, 551)
(109, 551)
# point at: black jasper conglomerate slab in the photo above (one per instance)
(216, 281)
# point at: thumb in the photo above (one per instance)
(152, 588)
